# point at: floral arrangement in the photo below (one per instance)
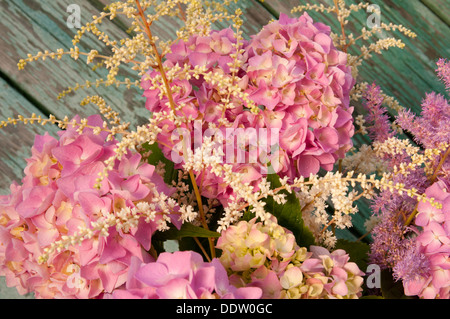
(247, 163)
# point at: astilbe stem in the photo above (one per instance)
(173, 107)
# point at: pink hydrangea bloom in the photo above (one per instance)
(201, 99)
(180, 275)
(296, 73)
(296, 76)
(56, 197)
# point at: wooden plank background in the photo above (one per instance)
(29, 26)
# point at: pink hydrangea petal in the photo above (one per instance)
(36, 201)
(47, 236)
(325, 42)
(112, 249)
(153, 274)
(203, 280)
(111, 277)
(269, 285)
(414, 287)
(144, 233)
(248, 293)
(429, 292)
(312, 265)
(266, 96)
(441, 278)
(339, 287)
(177, 288)
(308, 165)
(177, 264)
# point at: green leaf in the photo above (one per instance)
(289, 215)
(186, 230)
(371, 297)
(357, 250)
(390, 288)
(157, 156)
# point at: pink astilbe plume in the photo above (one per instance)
(433, 126)
(443, 72)
(379, 127)
(418, 253)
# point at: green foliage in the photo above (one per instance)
(185, 237)
(371, 297)
(289, 215)
(157, 156)
(390, 288)
(357, 250)
(186, 230)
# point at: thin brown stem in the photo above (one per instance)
(363, 236)
(202, 249)
(157, 55)
(327, 225)
(182, 14)
(172, 106)
(341, 21)
(438, 168)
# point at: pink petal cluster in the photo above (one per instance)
(180, 275)
(56, 197)
(433, 242)
(301, 80)
(201, 99)
(296, 76)
(268, 257)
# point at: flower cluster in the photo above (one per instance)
(198, 99)
(290, 79)
(267, 256)
(57, 199)
(412, 237)
(380, 126)
(302, 83)
(425, 270)
(180, 275)
(238, 128)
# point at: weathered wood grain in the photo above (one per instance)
(32, 26)
(16, 140)
(29, 26)
(440, 8)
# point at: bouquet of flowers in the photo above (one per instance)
(247, 166)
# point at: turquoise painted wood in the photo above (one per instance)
(29, 26)
(16, 141)
(33, 26)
